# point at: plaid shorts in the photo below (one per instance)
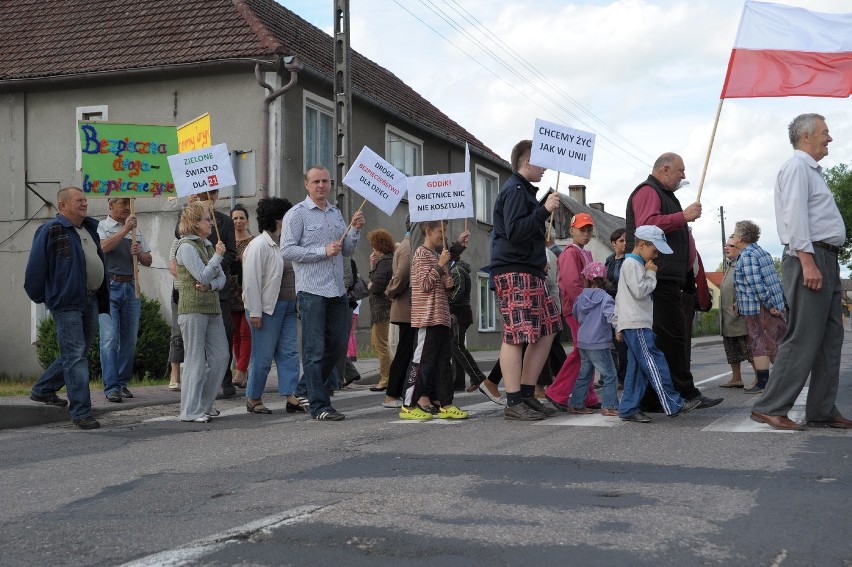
(765, 332)
(528, 310)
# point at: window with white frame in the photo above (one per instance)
(486, 189)
(99, 113)
(487, 304)
(404, 152)
(319, 133)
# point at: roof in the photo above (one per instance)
(715, 278)
(605, 223)
(40, 39)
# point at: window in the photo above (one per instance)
(404, 152)
(487, 305)
(319, 134)
(486, 192)
(98, 113)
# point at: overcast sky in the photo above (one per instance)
(643, 75)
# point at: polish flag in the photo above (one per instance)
(787, 51)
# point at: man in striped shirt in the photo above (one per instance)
(312, 237)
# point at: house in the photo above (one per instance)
(166, 62)
(714, 282)
(605, 223)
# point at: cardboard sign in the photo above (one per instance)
(561, 148)
(126, 160)
(440, 197)
(207, 169)
(195, 134)
(376, 180)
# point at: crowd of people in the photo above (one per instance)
(239, 300)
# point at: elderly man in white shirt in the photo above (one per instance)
(812, 230)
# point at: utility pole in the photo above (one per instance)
(724, 236)
(342, 101)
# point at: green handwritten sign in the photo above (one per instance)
(126, 160)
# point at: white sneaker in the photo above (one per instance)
(392, 404)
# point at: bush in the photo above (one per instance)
(706, 324)
(152, 347)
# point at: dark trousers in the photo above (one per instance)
(463, 361)
(401, 360)
(672, 338)
(429, 373)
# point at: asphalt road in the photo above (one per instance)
(708, 488)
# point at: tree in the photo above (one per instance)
(839, 180)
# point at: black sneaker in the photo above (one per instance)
(228, 391)
(329, 415)
(113, 396)
(557, 405)
(50, 398)
(705, 402)
(637, 418)
(535, 404)
(125, 393)
(522, 412)
(87, 423)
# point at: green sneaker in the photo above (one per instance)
(414, 413)
(452, 412)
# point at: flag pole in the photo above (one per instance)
(709, 149)
(213, 216)
(350, 222)
(135, 256)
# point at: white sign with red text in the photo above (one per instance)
(440, 197)
(562, 148)
(376, 180)
(205, 169)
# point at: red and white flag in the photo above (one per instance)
(787, 51)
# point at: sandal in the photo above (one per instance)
(253, 406)
(175, 386)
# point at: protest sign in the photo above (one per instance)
(195, 134)
(205, 169)
(561, 148)
(440, 197)
(126, 160)
(376, 180)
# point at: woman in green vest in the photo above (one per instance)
(199, 316)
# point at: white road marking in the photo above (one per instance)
(712, 378)
(739, 421)
(193, 551)
(587, 420)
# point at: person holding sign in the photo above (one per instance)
(119, 327)
(315, 239)
(200, 275)
(518, 265)
(429, 385)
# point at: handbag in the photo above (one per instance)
(359, 290)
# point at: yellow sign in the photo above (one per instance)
(195, 134)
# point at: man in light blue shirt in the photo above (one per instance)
(312, 237)
(811, 227)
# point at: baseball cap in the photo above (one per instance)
(582, 219)
(655, 236)
(594, 270)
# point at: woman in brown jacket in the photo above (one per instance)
(381, 270)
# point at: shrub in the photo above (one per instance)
(706, 324)
(152, 347)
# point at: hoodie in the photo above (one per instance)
(593, 310)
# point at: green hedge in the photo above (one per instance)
(152, 347)
(706, 324)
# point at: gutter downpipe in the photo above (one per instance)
(294, 66)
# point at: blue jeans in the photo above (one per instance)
(646, 366)
(276, 338)
(602, 360)
(75, 331)
(325, 331)
(119, 330)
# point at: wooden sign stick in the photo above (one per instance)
(133, 243)
(350, 222)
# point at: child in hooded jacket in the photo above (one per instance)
(593, 310)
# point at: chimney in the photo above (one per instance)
(597, 206)
(578, 193)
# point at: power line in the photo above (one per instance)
(458, 27)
